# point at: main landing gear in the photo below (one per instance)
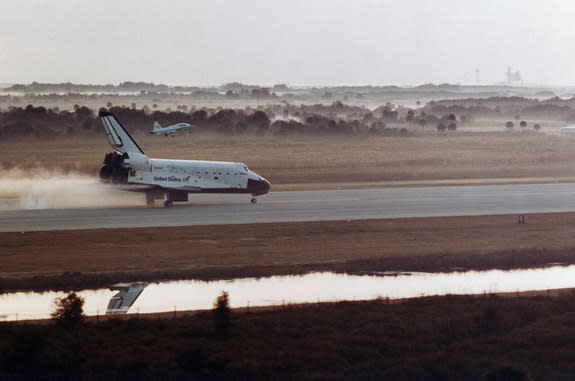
(152, 196)
(169, 197)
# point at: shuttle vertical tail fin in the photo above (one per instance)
(117, 135)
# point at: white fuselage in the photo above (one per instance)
(189, 175)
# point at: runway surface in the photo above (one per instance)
(308, 206)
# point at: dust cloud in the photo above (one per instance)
(49, 189)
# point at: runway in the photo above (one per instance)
(307, 206)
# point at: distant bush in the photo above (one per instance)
(198, 116)
(283, 127)
(69, 310)
(259, 120)
(386, 113)
(222, 315)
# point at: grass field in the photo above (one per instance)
(316, 161)
(96, 258)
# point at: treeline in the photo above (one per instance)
(69, 87)
(46, 123)
(229, 89)
(236, 87)
(554, 108)
(283, 119)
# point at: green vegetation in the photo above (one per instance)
(444, 338)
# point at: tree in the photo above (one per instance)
(221, 314)
(441, 127)
(199, 115)
(523, 124)
(69, 310)
(260, 120)
(536, 126)
(410, 115)
(509, 124)
(87, 124)
(451, 127)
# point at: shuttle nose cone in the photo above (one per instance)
(258, 187)
(266, 186)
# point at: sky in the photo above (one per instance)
(297, 42)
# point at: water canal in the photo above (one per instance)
(278, 290)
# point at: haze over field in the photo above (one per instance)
(319, 42)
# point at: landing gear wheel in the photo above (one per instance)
(254, 200)
(168, 204)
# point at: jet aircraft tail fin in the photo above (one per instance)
(157, 127)
(117, 135)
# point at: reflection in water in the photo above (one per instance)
(125, 298)
(315, 287)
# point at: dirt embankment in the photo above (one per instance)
(96, 258)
